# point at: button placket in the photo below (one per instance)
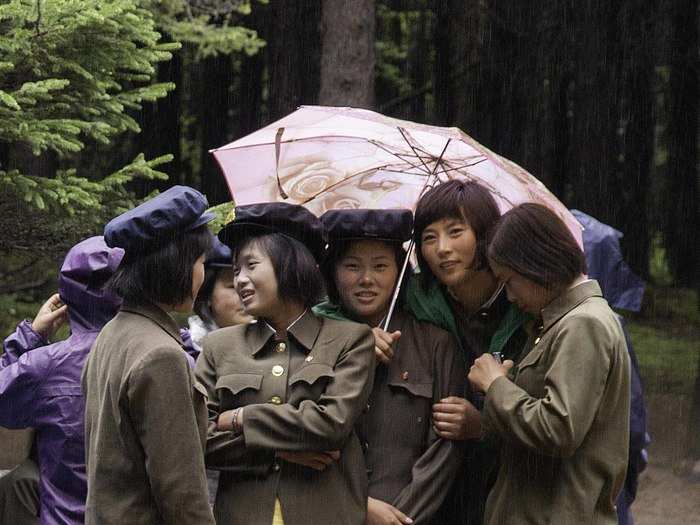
(279, 370)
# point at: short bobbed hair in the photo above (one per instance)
(456, 199)
(299, 279)
(337, 250)
(201, 303)
(164, 274)
(534, 242)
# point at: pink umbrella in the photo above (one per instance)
(335, 157)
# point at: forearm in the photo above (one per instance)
(431, 478)
(226, 451)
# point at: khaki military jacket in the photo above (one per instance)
(564, 418)
(408, 464)
(145, 425)
(302, 393)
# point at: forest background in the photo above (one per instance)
(104, 102)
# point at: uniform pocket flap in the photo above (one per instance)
(417, 389)
(532, 357)
(199, 387)
(311, 373)
(238, 382)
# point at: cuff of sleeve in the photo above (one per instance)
(34, 339)
(493, 403)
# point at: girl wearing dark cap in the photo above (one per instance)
(285, 391)
(218, 304)
(410, 468)
(563, 412)
(145, 423)
(457, 290)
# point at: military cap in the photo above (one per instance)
(219, 255)
(263, 218)
(393, 225)
(145, 227)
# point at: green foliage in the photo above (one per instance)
(70, 72)
(211, 26)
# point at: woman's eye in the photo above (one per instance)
(351, 267)
(456, 231)
(428, 238)
(381, 267)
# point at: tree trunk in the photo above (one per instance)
(292, 55)
(682, 221)
(347, 53)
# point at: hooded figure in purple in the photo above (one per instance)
(40, 387)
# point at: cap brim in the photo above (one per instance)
(235, 232)
(205, 218)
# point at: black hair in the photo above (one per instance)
(534, 242)
(299, 279)
(456, 199)
(163, 275)
(337, 250)
(201, 303)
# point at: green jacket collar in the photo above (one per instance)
(157, 315)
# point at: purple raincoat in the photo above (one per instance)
(40, 387)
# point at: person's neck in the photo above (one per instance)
(475, 291)
(286, 317)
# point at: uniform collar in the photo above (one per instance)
(304, 330)
(157, 315)
(569, 300)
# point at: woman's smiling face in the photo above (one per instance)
(449, 247)
(256, 282)
(365, 277)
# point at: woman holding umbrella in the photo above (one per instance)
(285, 391)
(563, 414)
(457, 291)
(410, 468)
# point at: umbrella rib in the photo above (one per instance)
(403, 134)
(397, 155)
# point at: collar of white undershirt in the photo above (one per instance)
(290, 326)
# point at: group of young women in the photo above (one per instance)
(495, 391)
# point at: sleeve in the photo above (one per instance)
(22, 340)
(226, 450)
(326, 424)
(161, 408)
(18, 387)
(192, 349)
(574, 383)
(434, 472)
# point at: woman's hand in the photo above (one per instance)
(227, 420)
(314, 460)
(457, 419)
(52, 314)
(382, 344)
(486, 370)
(381, 513)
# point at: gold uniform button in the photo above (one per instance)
(537, 341)
(276, 400)
(277, 370)
(281, 347)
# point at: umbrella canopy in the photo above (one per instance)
(334, 157)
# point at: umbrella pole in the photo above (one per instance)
(397, 289)
(409, 251)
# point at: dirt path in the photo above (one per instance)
(666, 499)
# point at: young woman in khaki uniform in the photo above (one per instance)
(410, 468)
(563, 414)
(285, 391)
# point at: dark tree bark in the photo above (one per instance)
(216, 80)
(347, 58)
(682, 221)
(292, 55)
(593, 161)
(458, 36)
(637, 37)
